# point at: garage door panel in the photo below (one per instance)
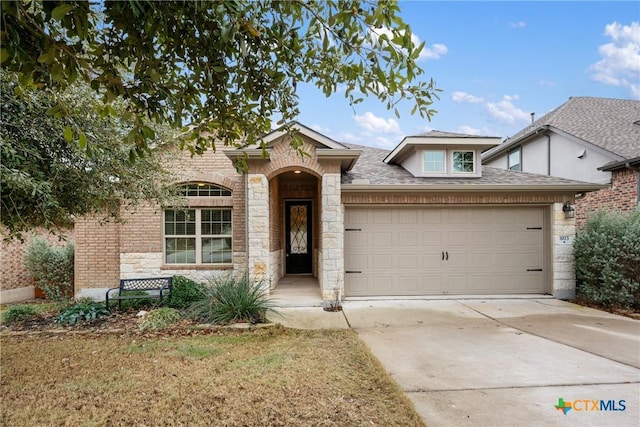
(409, 261)
(381, 239)
(432, 238)
(400, 251)
(431, 260)
(457, 238)
(408, 238)
(382, 217)
(356, 261)
(431, 216)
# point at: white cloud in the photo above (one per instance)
(370, 122)
(468, 130)
(504, 111)
(436, 51)
(519, 24)
(465, 97)
(620, 63)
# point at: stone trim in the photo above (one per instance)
(563, 270)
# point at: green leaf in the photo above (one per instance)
(68, 133)
(47, 57)
(4, 55)
(61, 11)
(82, 141)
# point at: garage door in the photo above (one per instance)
(424, 251)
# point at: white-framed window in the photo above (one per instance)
(198, 236)
(434, 161)
(514, 159)
(463, 161)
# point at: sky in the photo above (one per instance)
(496, 63)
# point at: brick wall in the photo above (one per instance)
(12, 270)
(102, 247)
(97, 259)
(622, 196)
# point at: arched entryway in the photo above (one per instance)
(294, 223)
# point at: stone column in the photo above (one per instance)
(564, 275)
(331, 271)
(258, 228)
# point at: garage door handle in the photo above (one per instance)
(534, 269)
(352, 271)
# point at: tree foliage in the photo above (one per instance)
(227, 67)
(47, 178)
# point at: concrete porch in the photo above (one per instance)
(297, 291)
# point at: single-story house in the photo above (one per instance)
(426, 218)
(586, 139)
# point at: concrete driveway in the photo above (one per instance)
(506, 362)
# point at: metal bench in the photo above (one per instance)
(153, 287)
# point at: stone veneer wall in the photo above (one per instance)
(331, 256)
(622, 196)
(258, 227)
(563, 235)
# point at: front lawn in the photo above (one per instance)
(263, 377)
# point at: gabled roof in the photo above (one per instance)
(326, 148)
(439, 138)
(372, 174)
(608, 123)
(323, 140)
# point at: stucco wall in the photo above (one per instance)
(564, 161)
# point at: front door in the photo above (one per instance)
(298, 232)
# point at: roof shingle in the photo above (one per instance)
(612, 124)
(370, 168)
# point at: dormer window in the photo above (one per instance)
(442, 154)
(464, 162)
(434, 161)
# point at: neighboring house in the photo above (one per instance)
(587, 139)
(424, 219)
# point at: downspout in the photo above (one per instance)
(549, 154)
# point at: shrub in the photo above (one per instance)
(51, 267)
(160, 318)
(184, 292)
(232, 298)
(607, 257)
(18, 313)
(84, 310)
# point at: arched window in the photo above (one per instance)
(201, 189)
(199, 235)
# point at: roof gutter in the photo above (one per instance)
(510, 143)
(632, 164)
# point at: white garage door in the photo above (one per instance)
(430, 251)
